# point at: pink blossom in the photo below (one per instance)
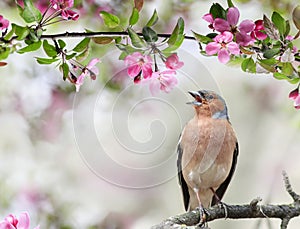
(164, 81)
(173, 62)
(64, 6)
(4, 23)
(209, 18)
(90, 69)
(289, 37)
(139, 65)
(223, 46)
(258, 32)
(294, 95)
(61, 4)
(242, 31)
(13, 222)
(69, 15)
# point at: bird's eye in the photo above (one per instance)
(209, 97)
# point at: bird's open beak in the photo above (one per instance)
(198, 98)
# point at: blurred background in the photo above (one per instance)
(106, 157)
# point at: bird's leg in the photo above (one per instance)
(202, 214)
(223, 205)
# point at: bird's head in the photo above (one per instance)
(208, 103)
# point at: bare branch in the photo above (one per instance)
(289, 189)
(285, 212)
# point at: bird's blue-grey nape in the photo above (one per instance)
(221, 114)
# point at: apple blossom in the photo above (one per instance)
(164, 81)
(258, 32)
(64, 6)
(4, 23)
(139, 66)
(13, 222)
(294, 95)
(223, 46)
(89, 69)
(173, 62)
(241, 31)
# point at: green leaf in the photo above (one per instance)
(110, 20)
(201, 38)
(294, 80)
(268, 64)
(217, 11)
(65, 69)
(118, 39)
(70, 56)
(296, 17)
(288, 28)
(211, 35)
(4, 52)
(248, 65)
(280, 76)
(177, 32)
(102, 40)
(270, 53)
(176, 37)
(287, 69)
(33, 36)
(82, 45)
(30, 48)
(20, 31)
(154, 18)
(270, 28)
(82, 56)
(127, 48)
(45, 60)
(61, 44)
(134, 16)
(271, 61)
(229, 3)
(279, 22)
(30, 13)
(10, 33)
(50, 50)
(123, 55)
(135, 39)
(149, 34)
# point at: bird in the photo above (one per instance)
(207, 153)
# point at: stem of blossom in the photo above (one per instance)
(44, 14)
(155, 64)
(50, 17)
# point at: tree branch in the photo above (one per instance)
(285, 212)
(102, 34)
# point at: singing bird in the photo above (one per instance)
(207, 152)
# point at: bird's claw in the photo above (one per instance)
(202, 218)
(223, 205)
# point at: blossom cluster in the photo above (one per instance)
(232, 35)
(258, 46)
(140, 68)
(13, 222)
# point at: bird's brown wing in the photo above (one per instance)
(221, 190)
(184, 187)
